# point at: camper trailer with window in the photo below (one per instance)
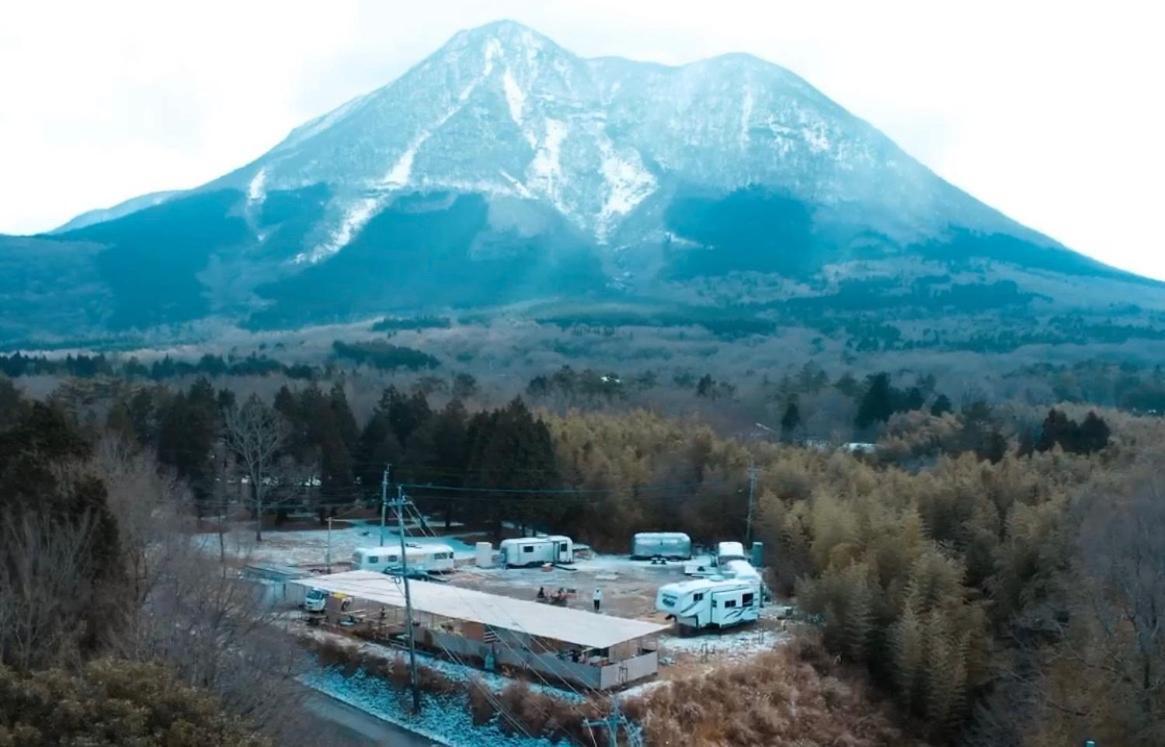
(709, 602)
(726, 551)
(531, 551)
(671, 545)
(421, 558)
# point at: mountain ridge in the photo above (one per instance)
(502, 170)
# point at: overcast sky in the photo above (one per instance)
(1052, 112)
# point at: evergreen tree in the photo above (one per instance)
(405, 413)
(510, 448)
(877, 404)
(1094, 434)
(942, 405)
(187, 431)
(377, 448)
(11, 402)
(791, 420)
(913, 400)
(1058, 428)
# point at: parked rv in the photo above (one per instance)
(531, 551)
(726, 551)
(709, 602)
(671, 545)
(741, 570)
(421, 558)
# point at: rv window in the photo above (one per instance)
(562, 547)
(373, 559)
(527, 548)
(391, 558)
(746, 600)
(698, 597)
(728, 604)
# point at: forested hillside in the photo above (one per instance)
(992, 571)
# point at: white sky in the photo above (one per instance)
(1050, 111)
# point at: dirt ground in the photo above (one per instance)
(629, 588)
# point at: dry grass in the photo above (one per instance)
(793, 695)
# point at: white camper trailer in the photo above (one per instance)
(421, 558)
(726, 551)
(529, 551)
(741, 570)
(709, 602)
(672, 545)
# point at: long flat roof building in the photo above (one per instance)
(596, 650)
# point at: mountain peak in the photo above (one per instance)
(504, 169)
(510, 35)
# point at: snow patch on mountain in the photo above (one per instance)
(256, 189)
(626, 184)
(746, 107)
(544, 174)
(816, 138)
(401, 171)
(354, 218)
(402, 168)
(518, 187)
(515, 97)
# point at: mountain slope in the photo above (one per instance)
(504, 170)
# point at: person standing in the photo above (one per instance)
(597, 599)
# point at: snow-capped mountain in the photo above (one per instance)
(503, 169)
(505, 112)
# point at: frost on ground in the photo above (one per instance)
(451, 669)
(444, 719)
(304, 547)
(734, 643)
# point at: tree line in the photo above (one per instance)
(998, 595)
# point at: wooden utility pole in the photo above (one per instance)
(753, 471)
(383, 500)
(328, 552)
(404, 576)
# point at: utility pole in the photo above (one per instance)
(383, 500)
(328, 552)
(612, 723)
(404, 575)
(753, 471)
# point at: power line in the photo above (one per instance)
(421, 524)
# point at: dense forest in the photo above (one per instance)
(992, 570)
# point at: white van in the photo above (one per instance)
(530, 551)
(421, 558)
(709, 602)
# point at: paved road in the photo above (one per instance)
(352, 727)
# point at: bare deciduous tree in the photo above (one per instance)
(1123, 601)
(44, 588)
(255, 433)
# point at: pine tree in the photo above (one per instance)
(1093, 434)
(942, 405)
(791, 420)
(877, 404)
